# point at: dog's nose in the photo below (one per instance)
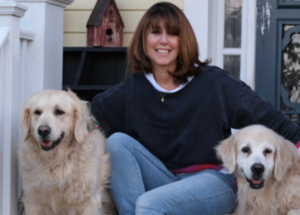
(44, 130)
(257, 168)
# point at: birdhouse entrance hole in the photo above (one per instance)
(109, 32)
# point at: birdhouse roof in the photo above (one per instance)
(99, 11)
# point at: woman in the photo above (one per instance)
(164, 121)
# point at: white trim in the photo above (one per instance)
(2, 104)
(12, 8)
(197, 13)
(24, 94)
(220, 33)
(231, 51)
(7, 132)
(249, 38)
(213, 27)
(60, 3)
(27, 35)
(244, 42)
(247, 50)
(4, 32)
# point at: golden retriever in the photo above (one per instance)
(267, 168)
(64, 166)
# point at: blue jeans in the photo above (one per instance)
(141, 184)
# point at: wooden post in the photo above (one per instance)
(10, 14)
(35, 66)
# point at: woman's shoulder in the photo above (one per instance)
(220, 76)
(211, 71)
(119, 91)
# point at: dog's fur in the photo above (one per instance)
(71, 177)
(272, 166)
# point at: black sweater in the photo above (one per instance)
(184, 129)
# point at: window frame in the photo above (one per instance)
(209, 15)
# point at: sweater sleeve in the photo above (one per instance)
(252, 109)
(100, 116)
(109, 110)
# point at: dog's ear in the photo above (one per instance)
(82, 118)
(287, 155)
(226, 152)
(26, 123)
(25, 120)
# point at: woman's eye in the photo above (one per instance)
(37, 112)
(155, 32)
(59, 112)
(246, 149)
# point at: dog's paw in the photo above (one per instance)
(235, 213)
(231, 214)
(294, 212)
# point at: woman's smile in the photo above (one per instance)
(162, 48)
(164, 51)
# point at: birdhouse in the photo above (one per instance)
(105, 25)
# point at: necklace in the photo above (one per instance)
(162, 96)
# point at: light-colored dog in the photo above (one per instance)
(267, 168)
(63, 165)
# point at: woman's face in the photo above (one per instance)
(162, 48)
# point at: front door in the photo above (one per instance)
(277, 76)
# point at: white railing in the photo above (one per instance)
(30, 61)
(3, 37)
(26, 38)
(4, 33)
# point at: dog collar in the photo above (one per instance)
(94, 123)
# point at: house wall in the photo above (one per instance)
(78, 13)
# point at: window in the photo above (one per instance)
(225, 30)
(235, 38)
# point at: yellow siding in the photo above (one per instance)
(78, 13)
(79, 39)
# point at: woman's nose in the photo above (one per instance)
(163, 38)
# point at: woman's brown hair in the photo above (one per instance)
(175, 22)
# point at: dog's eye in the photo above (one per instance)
(246, 149)
(267, 151)
(37, 112)
(59, 112)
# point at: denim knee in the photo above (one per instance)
(147, 205)
(114, 142)
(118, 142)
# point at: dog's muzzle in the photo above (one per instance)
(257, 181)
(46, 144)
